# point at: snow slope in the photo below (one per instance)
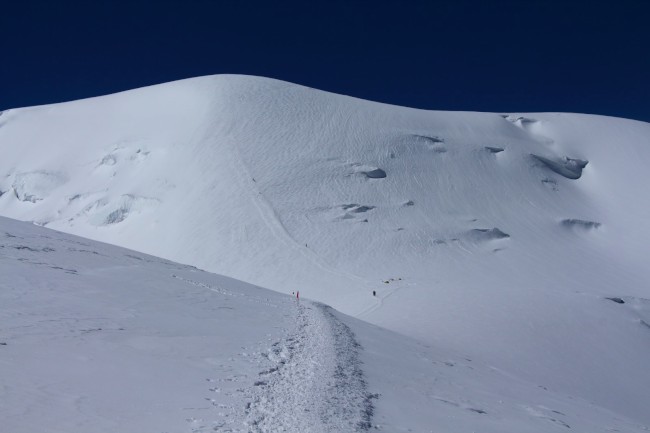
(97, 338)
(497, 236)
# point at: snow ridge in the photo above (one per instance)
(315, 382)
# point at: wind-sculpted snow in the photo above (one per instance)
(487, 250)
(487, 234)
(576, 223)
(568, 167)
(376, 173)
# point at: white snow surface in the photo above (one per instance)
(497, 236)
(97, 338)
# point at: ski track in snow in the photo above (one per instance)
(274, 223)
(226, 292)
(315, 382)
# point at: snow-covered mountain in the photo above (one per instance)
(499, 236)
(96, 338)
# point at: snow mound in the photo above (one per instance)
(435, 144)
(357, 208)
(568, 167)
(247, 177)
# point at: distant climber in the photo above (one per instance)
(374, 293)
(298, 294)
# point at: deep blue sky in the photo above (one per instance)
(576, 56)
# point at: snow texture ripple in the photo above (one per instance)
(315, 382)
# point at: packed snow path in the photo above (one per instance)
(314, 382)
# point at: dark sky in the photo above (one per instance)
(574, 56)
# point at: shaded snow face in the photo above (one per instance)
(463, 235)
(568, 167)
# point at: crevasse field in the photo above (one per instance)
(508, 253)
